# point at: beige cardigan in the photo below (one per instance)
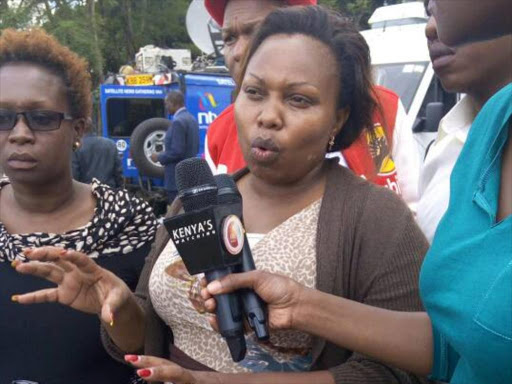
(369, 249)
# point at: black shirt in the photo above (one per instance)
(51, 343)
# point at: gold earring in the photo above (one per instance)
(76, 145)
(331, 143)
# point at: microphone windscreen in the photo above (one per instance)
(193, 172)
(195, 183)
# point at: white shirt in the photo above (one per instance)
(406, 156)
(434, 184)
(179, 111)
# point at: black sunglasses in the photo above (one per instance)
(37, 119)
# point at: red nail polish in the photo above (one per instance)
(131, 358)
(144, 372)
(27, 251)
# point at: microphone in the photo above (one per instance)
(254, 308)
(209, 240)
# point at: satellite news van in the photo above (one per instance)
(135, 118)
(132, 107)
(401, 62)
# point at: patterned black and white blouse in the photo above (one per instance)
(121, 224)
(118, 237)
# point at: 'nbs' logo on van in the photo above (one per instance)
(206, 103)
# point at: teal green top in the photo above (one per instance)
(466, 278)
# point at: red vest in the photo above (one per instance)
(369, 156)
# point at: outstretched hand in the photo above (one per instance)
(156, 369)
(281, 294)
(81, 283)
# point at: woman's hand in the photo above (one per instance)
(156, 369)
(81, 283)
(281, 294)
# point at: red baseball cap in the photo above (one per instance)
(216, 7)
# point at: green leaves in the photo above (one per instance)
(108, 33)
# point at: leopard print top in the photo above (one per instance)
(289, 249)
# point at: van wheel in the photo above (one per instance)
(148, 138)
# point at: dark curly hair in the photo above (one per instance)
(348, 47)
(38, 47)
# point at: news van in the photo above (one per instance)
(135, 118)
(401, 62)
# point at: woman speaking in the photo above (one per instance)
(306, 90)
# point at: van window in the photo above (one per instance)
(402, 78)
(123, 115)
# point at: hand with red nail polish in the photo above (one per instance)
(131, 358)
(156, 369)
(144, 373)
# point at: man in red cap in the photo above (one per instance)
(371, 156)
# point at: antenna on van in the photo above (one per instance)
(203, 30)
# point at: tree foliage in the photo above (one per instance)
(108, 33)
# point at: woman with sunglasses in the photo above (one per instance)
(45, 101)
(307, 218)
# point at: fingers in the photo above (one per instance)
(46, 254)
(48, 271)
(49, 254)
(210, 305)
(66, 259)
(157, 369)
(82, 261)
(113, 302)
(49, 295)
(51, 263)
(214, 324)
(107, 314)
(234, 281)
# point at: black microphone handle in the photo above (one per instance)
(229, 318)
(254, 307)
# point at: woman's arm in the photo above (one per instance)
(321, 377)
(401, 339)
(126, 330)
(152, 327)
(156, 369)
(114, 337)
(378, 322)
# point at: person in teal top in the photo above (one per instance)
(465, 335)
(466, 278)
